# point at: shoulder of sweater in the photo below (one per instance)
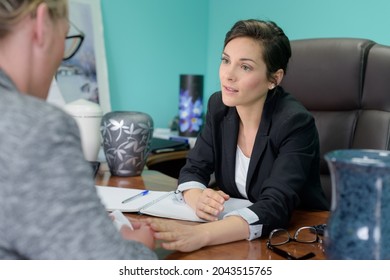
(20, 106)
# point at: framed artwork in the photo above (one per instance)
(85, 74)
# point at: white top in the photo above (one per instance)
(242, 164)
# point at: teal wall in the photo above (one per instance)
(149, 43)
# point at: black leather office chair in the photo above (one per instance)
(345, 83)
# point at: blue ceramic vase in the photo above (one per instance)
(126, 141)
(359, 222)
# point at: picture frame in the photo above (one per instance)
(85, 75)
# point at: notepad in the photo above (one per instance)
(158, 203)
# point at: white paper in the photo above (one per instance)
(158, 203)
(120, 220)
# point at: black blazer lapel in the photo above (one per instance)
(261, 137)
(230, 128)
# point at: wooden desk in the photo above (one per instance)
(250, 250)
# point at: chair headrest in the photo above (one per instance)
(321, 69)
(376, 89)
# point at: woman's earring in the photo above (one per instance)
(272, 86)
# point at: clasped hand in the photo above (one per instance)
(207, 203)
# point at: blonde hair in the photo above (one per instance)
(12, 11)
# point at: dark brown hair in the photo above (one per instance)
(276, 45)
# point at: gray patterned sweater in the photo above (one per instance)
(49, 208)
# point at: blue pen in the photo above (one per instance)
(145, 192)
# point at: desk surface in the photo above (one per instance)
(255, 249)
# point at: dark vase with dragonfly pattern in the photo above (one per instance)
(126, 141)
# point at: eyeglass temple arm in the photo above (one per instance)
(307, 256)
(287, 255)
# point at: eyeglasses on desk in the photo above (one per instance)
(307, 234)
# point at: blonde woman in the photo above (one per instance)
(49, 208)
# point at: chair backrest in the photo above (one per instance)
(345, 83)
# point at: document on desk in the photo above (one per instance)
(157, 203)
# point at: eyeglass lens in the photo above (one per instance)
(73, 41)
(306, 235)
(72, 44)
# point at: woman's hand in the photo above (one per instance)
(207, 203)
(142, 233)
(178, 236)
(185, 237)
(132, 229)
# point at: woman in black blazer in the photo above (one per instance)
(260, 142)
